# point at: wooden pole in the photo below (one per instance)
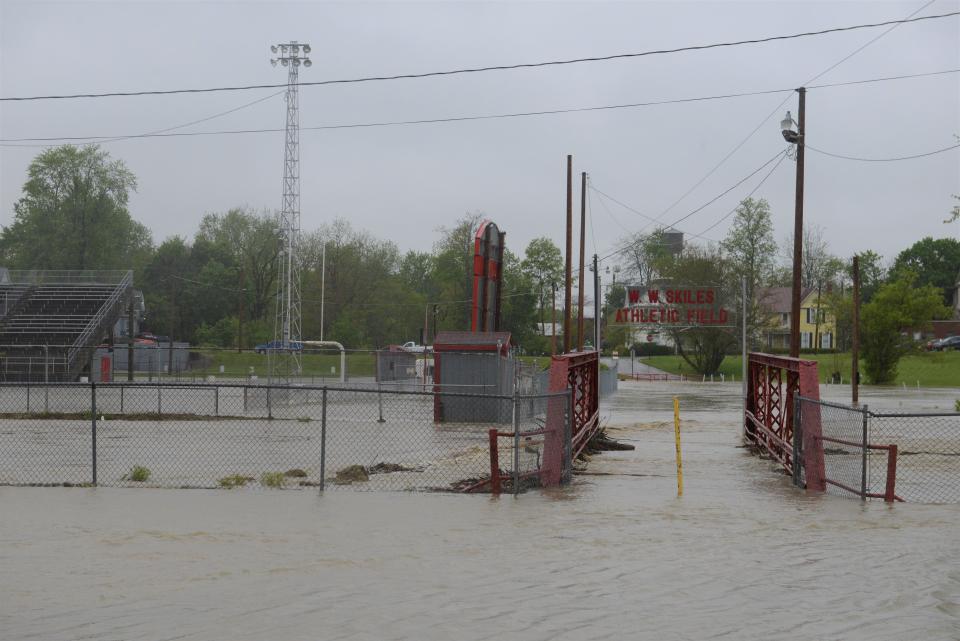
(583, 239)
(798, 232)
(553, 333)
(568, 270)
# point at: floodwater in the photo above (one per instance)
(617, 555)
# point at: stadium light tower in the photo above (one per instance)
(283, 359)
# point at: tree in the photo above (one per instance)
(819, 268)
(751, 251)
(898, 307)
(250, 243)
(543, 265)
(643, 253)
(73, 214)
(703, 347)
(872, 274)
(935, 262)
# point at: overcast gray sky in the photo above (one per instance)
(404, 182)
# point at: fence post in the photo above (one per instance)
(269, 407)
(46, 379)
(28, 395)
(567, 474)
(890, 494)
(494, 462)
(516, 447)
(122, 387)
(863, 461)
(245, 387)
(93, 428)
(323, 436)
(159, 400)
(216, 400)
(380, 402)
(797, 439)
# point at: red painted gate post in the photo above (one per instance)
(813, 463)
(551, 468)
(891, 490)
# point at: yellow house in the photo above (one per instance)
(776, 301)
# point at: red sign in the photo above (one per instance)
(673, 306)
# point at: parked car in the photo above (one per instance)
(278, 346)
(411, 346)
(950, 342)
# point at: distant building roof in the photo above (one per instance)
(471, 341)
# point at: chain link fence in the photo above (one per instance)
(928, 454)
(902, 456)
(229, 436)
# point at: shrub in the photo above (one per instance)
(236, 480)
(272, 479)
(139, 474)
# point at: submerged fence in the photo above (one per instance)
(894, 456)
(208, 436)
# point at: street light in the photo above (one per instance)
(796, 137)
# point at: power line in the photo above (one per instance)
(523, 114)
(779, 106)
(894, 159)
(752, 192)
(530, 65)
(709, 202)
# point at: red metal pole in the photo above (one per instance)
(890, 494)
(494, 463)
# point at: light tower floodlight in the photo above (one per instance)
(283, 362)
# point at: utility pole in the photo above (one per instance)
(284, 363)
(568, 271)
(583, 240)
(798, 232)
(855, 347)
(596, 303)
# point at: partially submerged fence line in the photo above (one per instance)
(231, 435)
(844, 440)
(770, 419)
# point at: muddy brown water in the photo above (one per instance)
(742, 555)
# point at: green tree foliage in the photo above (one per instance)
(704, 348)
(247, 244)
(872, 274)
(751, 254)
(73, 214)
(543, 265)
(935, 262)
(898, 307)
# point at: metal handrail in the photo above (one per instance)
(80, 343)
(56, 276)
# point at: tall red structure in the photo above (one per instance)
(487, 260)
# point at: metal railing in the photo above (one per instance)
(82, 344)
(262, 436)
(66, 276)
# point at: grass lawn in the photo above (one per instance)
(239, 363)
(932, 369)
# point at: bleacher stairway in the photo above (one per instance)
(52, 321)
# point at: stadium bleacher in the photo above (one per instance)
(51, 322)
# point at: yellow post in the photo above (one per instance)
(676, 431)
